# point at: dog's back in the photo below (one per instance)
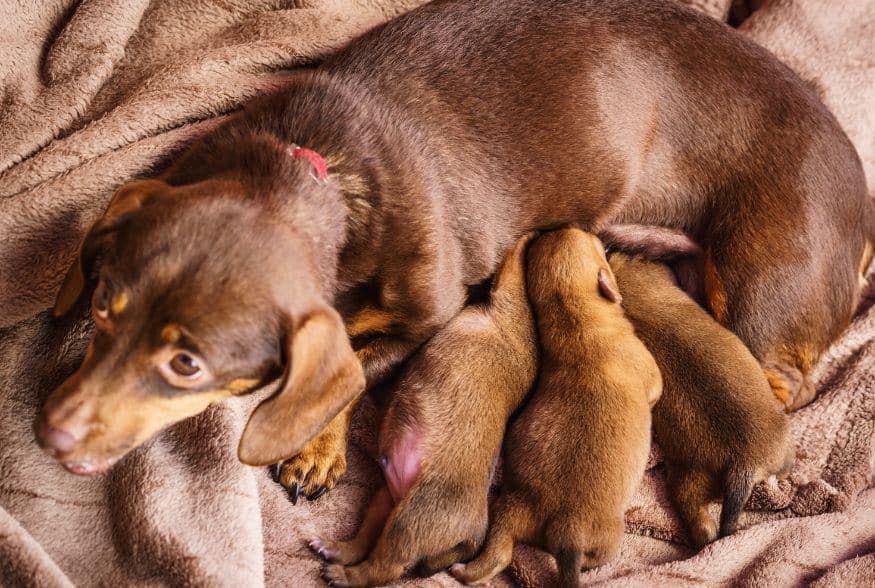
(717, 414)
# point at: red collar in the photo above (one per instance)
(320, 168)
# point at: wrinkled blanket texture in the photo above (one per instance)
(98, 92)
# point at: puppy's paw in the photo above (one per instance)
(703, 531)
(317, 468)
(461, 573)
(342, 552)
(335, 575)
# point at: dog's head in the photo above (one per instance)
(197, 293)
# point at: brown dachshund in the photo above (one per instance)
(428, 147)
(441, 437)
(576, 454)
(719, 426)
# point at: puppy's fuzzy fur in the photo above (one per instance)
(577, 452)
(718, 424)
(440, 438)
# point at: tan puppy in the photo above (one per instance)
(718, 424)
(578, 450)
(440, 438)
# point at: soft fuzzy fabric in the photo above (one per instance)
(97, 92)
(831, 46)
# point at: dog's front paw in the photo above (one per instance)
(318, 467)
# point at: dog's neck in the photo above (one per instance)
(368, 160)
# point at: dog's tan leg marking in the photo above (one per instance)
(370, 320)
(119, 303)
(788, 375)
(323, 460)
(865, 261)
(779, 386)
(715, 292)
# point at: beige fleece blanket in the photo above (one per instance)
(96, 92)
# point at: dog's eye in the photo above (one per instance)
(100, 301)
(185, 365)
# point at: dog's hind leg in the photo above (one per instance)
(787, 311)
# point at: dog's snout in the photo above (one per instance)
(55, 440)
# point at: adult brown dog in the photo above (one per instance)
(719, 427)
(575, 455)
(448, 134)
(440, 439)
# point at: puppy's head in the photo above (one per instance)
(197, 293)
(570, 264)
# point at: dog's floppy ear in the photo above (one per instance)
(126, 199)
(322, 375)
(608, 286)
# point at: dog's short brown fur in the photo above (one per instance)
(449, 133)
(719, 426)
(440, 439)
(577, 451)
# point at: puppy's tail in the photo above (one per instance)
(569, 561)
(737, 487)
(578, 546)
(510, 520)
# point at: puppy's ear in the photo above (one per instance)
(322, 376)
(608, 286)
(128, 198)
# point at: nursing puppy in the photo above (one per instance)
(717, 423)
(440, 438)
(578, 450)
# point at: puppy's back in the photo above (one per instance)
(592, 403)
(717, 401)
(478, 368)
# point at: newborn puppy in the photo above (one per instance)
(718, 424)
(440, 438)
(578, 450)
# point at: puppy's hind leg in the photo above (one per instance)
(461, 552)
(511, 520)
(356, 549)
(690, 491)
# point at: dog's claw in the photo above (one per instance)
(317, 547)
(295, 492)
(275, 472)
(315, 495)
